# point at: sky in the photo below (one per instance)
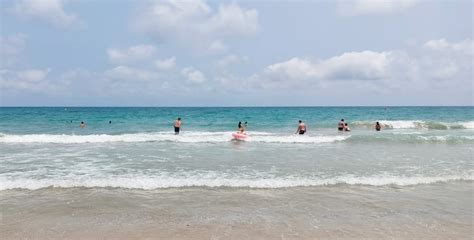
(236, 53)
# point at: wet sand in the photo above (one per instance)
(435, 211)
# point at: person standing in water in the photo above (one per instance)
(341, 125)
(241, 128)
(377, 126)
(177, 126)
(301, 128)
(82, 125)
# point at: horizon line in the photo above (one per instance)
(232, 106)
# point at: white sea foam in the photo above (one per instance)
(444, 138)
(187, 137)
(468, 125)
(182, 182)
(403, 124)
(416, 124)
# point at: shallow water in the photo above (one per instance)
(418, 145)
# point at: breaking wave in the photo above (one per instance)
(188, 137)
(221, 181)
(415, 124)
(222, 137)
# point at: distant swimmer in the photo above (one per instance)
(245, 125)
(301, 128)
(110, 122)
(341, 125)
(177, 126)
(83, 125)
(377, 126)
(346, 128)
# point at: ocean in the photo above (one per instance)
(420, 150)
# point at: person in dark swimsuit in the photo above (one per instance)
(301, 128)
(341, 125)
(177, 126)
(240, 128)
(377, 126)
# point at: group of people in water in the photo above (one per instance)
(341, 126)
(241, 128)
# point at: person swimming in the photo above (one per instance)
(301, 128)
(377, 126)
(341, 125)
(177, 126)
(346, 128)
(82, 125)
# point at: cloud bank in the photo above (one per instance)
(373, 7)
(195, 23)
(49, 11)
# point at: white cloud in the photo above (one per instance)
(32, 75)
(440, 65)
(28, 79)
(465, 46)
(51, 11)
(166, 64)
(193, 75)
(195, 23)
(11, 47)
(217, 46)
(366, 65)
(233, 20)
(130, 74)
(230, 60)
(444, 60)
(295, 68)
(373, 7)
(131, 54)
(445, 72)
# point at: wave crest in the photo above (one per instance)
(188, 137)
(176, 182)
(415, 124)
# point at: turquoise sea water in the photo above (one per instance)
(43, 147)
(65, 120)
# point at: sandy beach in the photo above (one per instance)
(336, 212)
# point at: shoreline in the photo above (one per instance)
(431, 211)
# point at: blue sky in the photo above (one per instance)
(236, 53)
